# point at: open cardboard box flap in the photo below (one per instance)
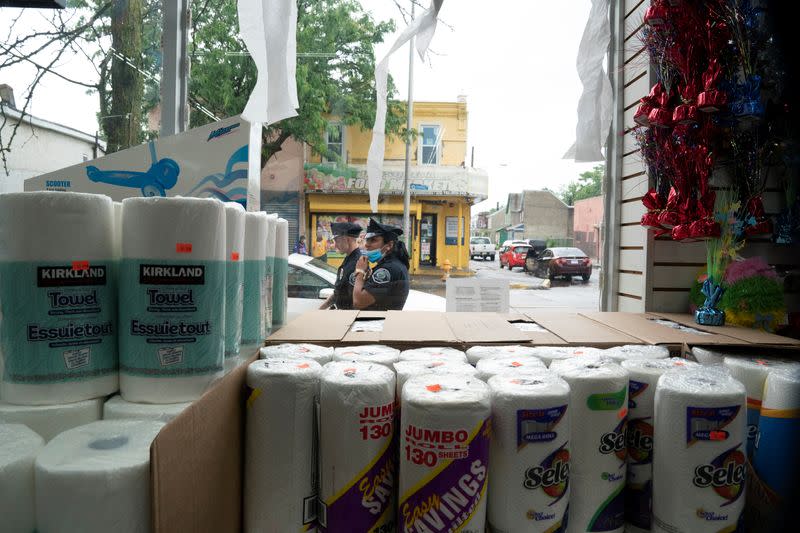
(322, 326)
(484, 328)
(417, 327)
(754, 336)
(540, 338)
(578, 330)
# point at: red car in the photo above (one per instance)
(513, 256)
(566, 262)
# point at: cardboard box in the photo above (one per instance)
(747, 335)
(578, 330)
(536, 333)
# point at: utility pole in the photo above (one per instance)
(409, 125)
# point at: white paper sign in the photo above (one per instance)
(477, 295)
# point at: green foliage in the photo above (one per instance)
(756, 294)
(589, 185)
(696, 296)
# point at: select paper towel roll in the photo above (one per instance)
(58, 298)
(172, 298)
(96, 479)
(272, 229)
(444, 454)
(706, 356)
(18, 448)
(368, 353)
(50, 420)
(530, 453)
(434, 354)
(548, 354)
(116, 408)
(699, 460)
(476, 353)
(280, 491)
(280, 274)
(644, 375)
(320, 354)
(254, 325)
(636, 351)
(407, 369)
(599, 404)
(234, 279)
(356, 451)
(507, 365)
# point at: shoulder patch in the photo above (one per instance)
(352, 278)
(381, 276)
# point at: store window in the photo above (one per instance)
(430, 145)
(334, 140)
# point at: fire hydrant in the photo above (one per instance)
(446, 267)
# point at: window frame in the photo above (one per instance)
(341, 142)
(422, 145)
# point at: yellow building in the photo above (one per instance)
(443, 187)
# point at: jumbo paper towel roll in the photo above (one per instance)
(407, 369)
(280, 491)
(368, 353)
(699, 462)
(234, 279)
(18, 448)
(320, 354)
(172, 298)
(530, 453)
(644, 375)
(50, 420)
(254, 325)
(272, 229)
(444, 454)
(636, 351)
(559, 365)
(116, 408)
(599, 404)
(548, 354)
(706, 356)
(96, 479)
(58, 298)
(280, 274)
(507, 365)
(117, 228)
(434, 354)
(356, 451)
(476, 353)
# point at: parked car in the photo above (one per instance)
(509, 243)
(537, 247)
(566, 262)
(311, 281)
(514, 256)
(481, 247)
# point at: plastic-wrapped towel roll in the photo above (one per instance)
(433, 354)
(507, 365)
(357, 459)
(116, 408)
(699, 462)
(280, 446)
(280, 274)
(599, 404)
(172, 298)
(476, 353)
(636, 351)
(529, 455)
(407, 369)
(50, 420)
(254, 325)
(444, 454)
(321, 354)
(559, 365)
(117, 236)
(368, 353)
(644, 374)
(706, 356)
(18, 448)
(96, 478)
(234, 280)
(272, 229)
(58, 298)
(548, 354)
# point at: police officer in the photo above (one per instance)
(386, 286)
(345, 238)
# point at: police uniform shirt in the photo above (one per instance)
(388, 284)
(345, 280)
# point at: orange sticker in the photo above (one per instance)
(183, 247)
(80, 265)
(623, 413)
(434, 388)
(579, 352)
(234, 256)
(516, 364)
(762, 361)
(349, 370)
(304, 365)
(717, 435)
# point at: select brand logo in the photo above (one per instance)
(172, 274)
(67, 276)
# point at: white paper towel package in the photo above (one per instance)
(272, 229)
(530, 452)
(699, 459)
(50, 420)
(18, 448)
(172, 298)
(706, 356)
(548, 354)
(476, 353)
(254, 325)
(368, 353)
(96, 478)
(280, 274)
(599, 404)
(444, 454)
(58, 298)
(506, 365)
(644, 375)
(407, 369)
(636, 351)
(356, 435)
(234, 279)
(116, 408)
(117, 228)
(433, 354)
(280, 487)
(558, 365)
(320, 354)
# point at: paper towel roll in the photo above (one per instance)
(320, 354)
(116, 408)
(444, 454)
(280, 274)
(234, 278)
(368, 353)
(272, 228)
(357, 458)
(407, 369)
(476, 353)
(530, 452)
(172, 298)
(117, 228)
(58, 298)
(643, 378)
(50, 420)
(442, 353)
(507, 365)
(699, 462)
(96, 478)
(548, 354)
(280, 491)
(18, 448)
(559, 365)
(636, 351)
(599, 404)
(706, 356)
(254, 325)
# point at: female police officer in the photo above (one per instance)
(385, 287)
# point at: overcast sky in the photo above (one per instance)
(514, 60)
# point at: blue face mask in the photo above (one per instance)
(373, 255)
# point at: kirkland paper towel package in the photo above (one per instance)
(529, 458)
(476, 353)
(280, 274)
(644, 375)
(254, 320)
(356, 436)
(272, 229)
(280, 491)
(18, 448)
(58, 298)
(444, 454)
(599, 403)
(116, 408)
(442, 353)
(320, 354)
(636, 351)
(96, 478)
(407, 369)
(50, 420)
(369, 353)
(699, 459)
(548, 354)
(172, 298)
(234, 279)
(507, 365)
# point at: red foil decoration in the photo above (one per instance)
(661, 118)
(669, 218)
(650, 220)
(680, 232)
(711, 101)
(656, 15)
(652, 200)
(642, 113)
(705, 228)
(685, 114)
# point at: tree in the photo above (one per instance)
(589, 184)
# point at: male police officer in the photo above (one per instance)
(386, 286)
(345, 238)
